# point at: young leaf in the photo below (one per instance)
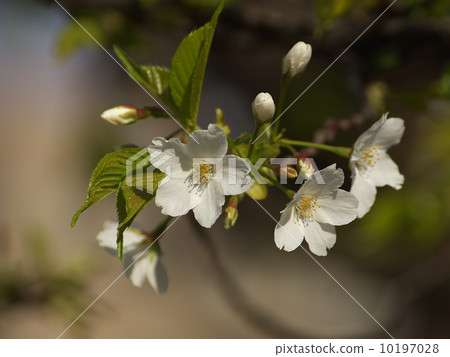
(130, 201)
(157, 77)
(188, 69)
(153, 78)
(158, 82)
(106, 177)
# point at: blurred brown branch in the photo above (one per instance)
(238, 300)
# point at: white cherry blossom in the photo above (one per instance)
(139, 252)
(316, 208)
(263, 107)
(199, 174)
(370, 163)
(296, 60)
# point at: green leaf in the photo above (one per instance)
(133, 69)
(188, 69)
(157, 78)
(144, 181)
(107, 176)
(130, 201)
(153, 78)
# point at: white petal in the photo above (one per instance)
(108, 238)
(337, 209)
(171, 157)
(385, 172)
(174, 197)
(211, 143)
(289, 231)
(234, 175)
(390, 133)
(364, 191)
(323, 182)
(384, 132)
(138, 271)
(210, 206)
(320, 236)
(157, 274)
(366, 139)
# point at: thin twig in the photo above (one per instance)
(240, 301)
(237, 298)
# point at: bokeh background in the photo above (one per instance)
(54, 83)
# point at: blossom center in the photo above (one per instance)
(306, 206)
(372, 155)
(202, 172)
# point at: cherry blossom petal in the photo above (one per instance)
(210, 204)
(390, 133)
(174, 197)
(366, 139)
(171, 157)
(138, 271)
(209, 143)
(386, 172)
(289, 230)
(322, 183)
(234, 176)
(107, 238)
(157, 274)
(320, 237)
(364, 191)
(337, 209)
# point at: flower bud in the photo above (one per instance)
(269, 172)
(257, 191)
(231, 213)
(306, 167)
(124, 114)
(220, 123)
(296, 60)
(263, 107)
(288, 171)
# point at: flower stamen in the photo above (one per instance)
(372, 155)
(202, 172)
(306, 206)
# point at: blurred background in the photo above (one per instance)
(55, 81)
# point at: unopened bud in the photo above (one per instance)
(306, 167)
(220, 123)
(296, 60)
(263, 107)
(231, 213)
(124, 115)
(257, 191)
(288, 171)
(270, 173)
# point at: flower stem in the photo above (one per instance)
(161, 228)
(279, 110)
(338, 150)
(277, 184)
(290, 148)
(251, 145)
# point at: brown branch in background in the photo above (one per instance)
(425, 277)
(236, 297)
(239, 300)
(407, 289)
(366, 113)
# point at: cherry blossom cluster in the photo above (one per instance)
(204, 175)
